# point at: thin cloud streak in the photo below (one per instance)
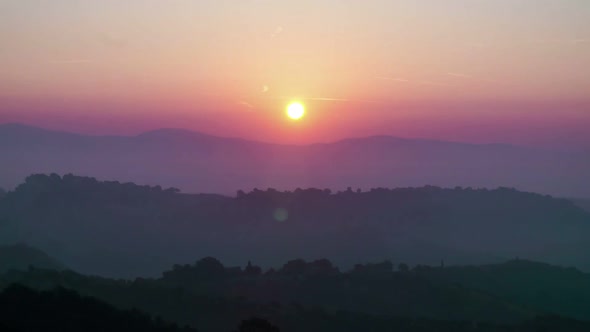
(435, 84)
(459, 75)
(329, 99)
(573, 41)
(344, 100)
(246, 104)
(71, 61)
(581, 41)
(396, 79)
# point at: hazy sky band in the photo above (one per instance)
(358, 64)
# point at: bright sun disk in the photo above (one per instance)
(295, 111)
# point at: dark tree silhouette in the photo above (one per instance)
(23, 309)
(294, 267)
(252, 270)
(376, 299)
(257, 325)
(209, 268)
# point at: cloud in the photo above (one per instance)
(487, 80)
(246, 104)
(71, 61)
(459, 75)
(581, 41)
(570, 41)
(431, 83)
(327, 99)
(396, 79)
(278, 31)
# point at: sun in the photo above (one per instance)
(295, 111)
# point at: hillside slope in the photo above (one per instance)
(21, 257)
(110, 228)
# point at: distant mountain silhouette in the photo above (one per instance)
(122, 229)
(196, 162)
(21, 257)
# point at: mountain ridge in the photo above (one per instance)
(198, 162)
(195, 133)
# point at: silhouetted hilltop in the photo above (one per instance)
(123, 229)
(316, 296)
(374, 289)
(583, 203)
(64, 310)
(196, 162)
(535, 285)
(21, 257)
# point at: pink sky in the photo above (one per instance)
(478, 71)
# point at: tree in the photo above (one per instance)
(294, 267)
(252, 270)
(403, 267)
(383, 269)
(322, 267)
(209, 268)
(172, 190)
(257, 325)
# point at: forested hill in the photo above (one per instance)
(559, 290)
(317, 296)
(122, 229)
(583, 203)
(27, 310)
(21, 257)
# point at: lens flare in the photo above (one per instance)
(280, 214)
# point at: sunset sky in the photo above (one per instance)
(515, 71)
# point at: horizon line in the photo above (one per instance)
(336, 141)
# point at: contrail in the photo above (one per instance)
(397, 79)
(344, 100)
(328, 99)
(246, 104)
(458, 75)
(71, 61)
